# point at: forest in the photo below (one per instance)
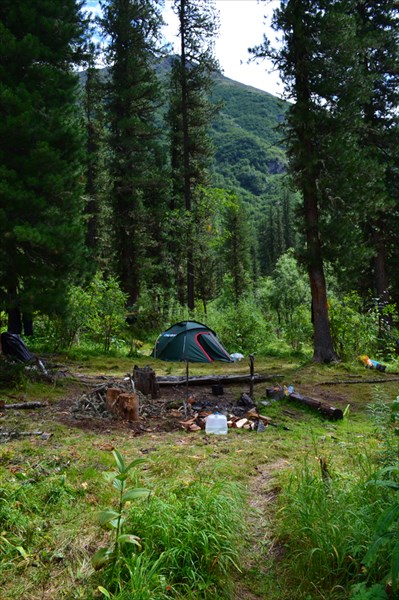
(140, 188)
(273, 220)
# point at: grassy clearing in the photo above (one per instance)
(247, 515)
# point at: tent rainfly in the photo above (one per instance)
(190, 341)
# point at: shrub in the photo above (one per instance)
(353, 331)
(241, 327)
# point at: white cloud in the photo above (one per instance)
(242, 25)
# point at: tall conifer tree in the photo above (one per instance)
(190, 114)
(237, 247)
(132, 30)
(301, 61)
(378, 38)
(41, 230)
(96, 164)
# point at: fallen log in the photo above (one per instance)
(324, 409)
(4, 435)
(352, 381)
(170, 380)
(27, 405)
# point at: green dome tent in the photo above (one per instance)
(190, 341)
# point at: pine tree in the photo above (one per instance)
(378, 35)
(301, 61)
(41, 229)
(190, 115)
(237, 247)
(96, 163)
(132, 28)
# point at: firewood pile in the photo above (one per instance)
(241, 414)
(118, 400)
(251, 420)
(100, 402)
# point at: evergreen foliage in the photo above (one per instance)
(132, 30)
(189, 118)
(41, 229)
(96, 160)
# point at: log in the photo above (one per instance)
(145, 381)
(16, 434)
(352, 381)
(213, 379)
(25, 405)
(324, 409)
(240, 424)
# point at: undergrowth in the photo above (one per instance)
(339, 523)
(188, 544)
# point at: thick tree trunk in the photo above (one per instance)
(380, 262)
(323, 350)
(322, 343)
(307, 168)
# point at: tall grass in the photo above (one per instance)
(326, 526)
(190, 538)
(329, 518)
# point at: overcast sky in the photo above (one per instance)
(242, 25)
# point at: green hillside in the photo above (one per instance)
(249, 156)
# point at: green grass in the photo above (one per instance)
(253, 501)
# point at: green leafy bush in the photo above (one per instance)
(241, 327)
(353, 330)
(96, 313)
(287, 295)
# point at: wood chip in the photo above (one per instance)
(240, 424)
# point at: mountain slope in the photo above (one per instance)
(249, 156)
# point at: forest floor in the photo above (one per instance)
(256, 459)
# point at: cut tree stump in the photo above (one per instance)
(145, 381)
(124, 405)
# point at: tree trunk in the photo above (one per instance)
(307, 167)
(322, 343)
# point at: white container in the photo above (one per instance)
(216, 423)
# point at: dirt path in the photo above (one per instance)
(261, 548)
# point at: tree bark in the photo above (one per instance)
(145, 381)
(307, 168)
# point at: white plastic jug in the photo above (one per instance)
(216, 423)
